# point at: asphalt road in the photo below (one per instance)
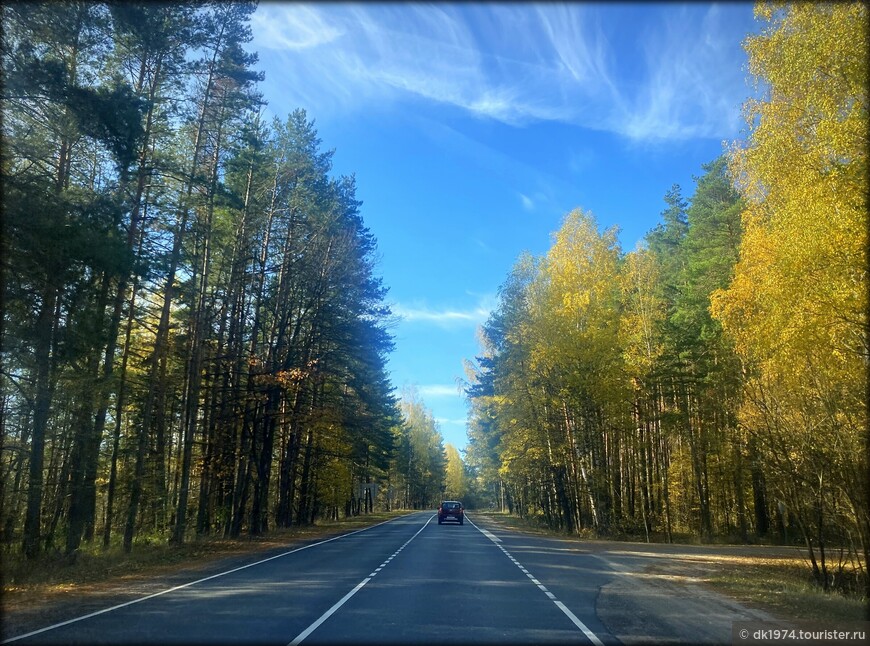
(407, 581)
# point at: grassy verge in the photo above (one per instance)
(782, 586)
(94, 569)
(527, 525)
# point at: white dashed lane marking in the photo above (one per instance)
(561, 606)
(326, 615)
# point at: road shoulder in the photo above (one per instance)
(658, 604)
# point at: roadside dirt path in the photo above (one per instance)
(661, 596)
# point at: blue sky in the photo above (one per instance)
(473, 129)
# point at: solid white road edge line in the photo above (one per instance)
(338, 604)
(561, 606)
(187, 585)
(578, 623)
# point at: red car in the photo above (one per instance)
(451, 509)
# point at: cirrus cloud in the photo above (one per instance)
(445, 316)
(674, 78)
(439, 390)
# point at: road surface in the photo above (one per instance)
(410, 580)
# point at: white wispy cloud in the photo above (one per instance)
(295, 27)
(579, 44)
(439, 390)
(475, 315)
(574, 63)
(447, 316)
(692, 85)
(528, 203)
(483, 246)
(446, 421)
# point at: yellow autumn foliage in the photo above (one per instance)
(797, 306)
(643, 312)
(574, 303)
(800, 287)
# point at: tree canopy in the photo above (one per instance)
(194, 337)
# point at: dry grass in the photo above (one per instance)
(785, 587)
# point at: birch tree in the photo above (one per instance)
(797, 306)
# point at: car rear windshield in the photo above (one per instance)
(450, 505)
